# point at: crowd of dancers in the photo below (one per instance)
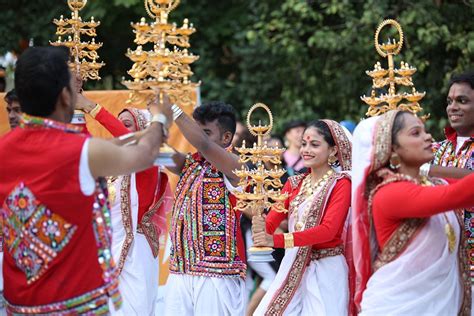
(378, 223)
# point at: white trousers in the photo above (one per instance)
(188, 295)
(138, 282)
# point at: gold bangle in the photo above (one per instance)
(289, 241)
(95, 110)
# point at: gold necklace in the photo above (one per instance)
(448, 228)
(306, 191)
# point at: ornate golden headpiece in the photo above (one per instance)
(391, 77)
(160, 68)
(83, 54)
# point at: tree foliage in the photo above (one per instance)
(305, 59)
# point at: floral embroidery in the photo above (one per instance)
(32, 233)
(203, 226)
(213, 192)
(214, 246)
(214, 220)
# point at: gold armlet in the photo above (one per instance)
(289, 241)
(95, 110)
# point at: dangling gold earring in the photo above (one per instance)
(332, 160)
(395, 162)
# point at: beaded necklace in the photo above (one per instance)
(446, 154)
(306, 191)
(30, 121)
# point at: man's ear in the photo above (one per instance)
(227, 138)
(65, 98)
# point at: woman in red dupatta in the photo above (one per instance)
(139, 203)
(408, 244)
(313, 278)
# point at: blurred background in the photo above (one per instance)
(305, 59)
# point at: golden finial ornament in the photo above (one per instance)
(265, 183)
(84, 58)
(391, 78)
(165, 66)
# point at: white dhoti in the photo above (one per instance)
(188, 295)
(423, 280)
(138, 281)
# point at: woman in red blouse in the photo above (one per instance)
(408, 245)
(139, 203)
(313, 276)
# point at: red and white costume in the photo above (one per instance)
(55, 223)
(139, 203)
(402, 256)
(313, 278)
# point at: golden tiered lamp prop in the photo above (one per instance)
(162, 68)
(391, 78)
(84, 57)
(265, 183)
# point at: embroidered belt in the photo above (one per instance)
(95, 302)
(327, 252)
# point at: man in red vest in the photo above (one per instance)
(54, 216)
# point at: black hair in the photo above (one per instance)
(40, 76)
(217, 110)
(323, 130)
(11, 96)
(3, 82)
(398, 125)
(465, 77)
(293, 124)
